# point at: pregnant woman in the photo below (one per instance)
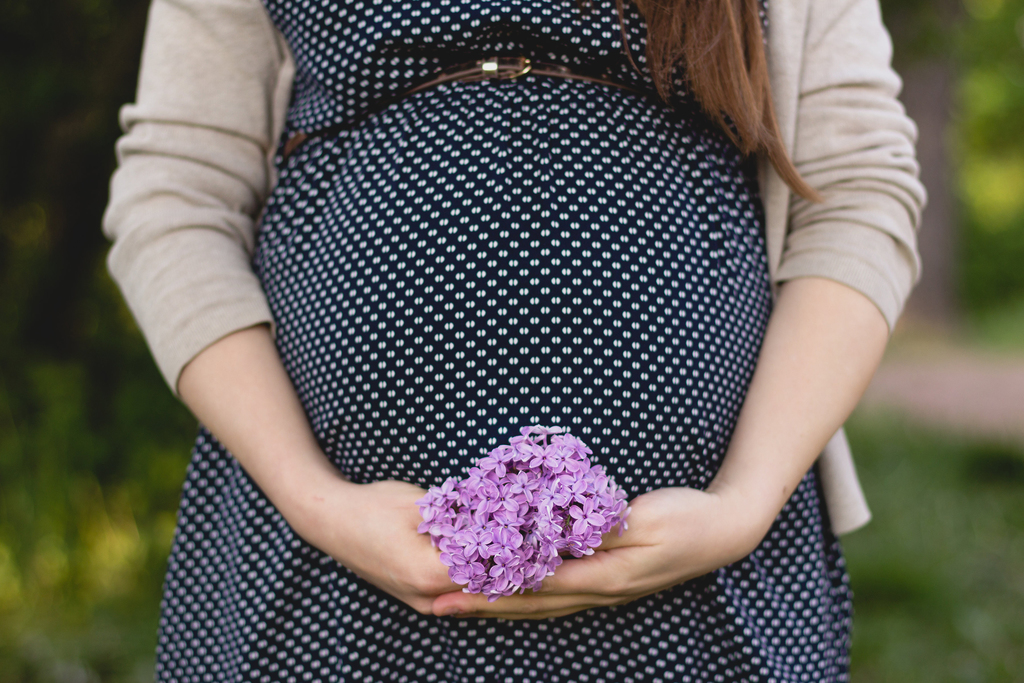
(368, 241)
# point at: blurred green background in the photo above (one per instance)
(93, 447)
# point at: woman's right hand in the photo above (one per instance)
(371, 529)
(239, 390)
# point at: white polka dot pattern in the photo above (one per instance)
(474, 258)
(350, 55)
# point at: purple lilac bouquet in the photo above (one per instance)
(505, 527)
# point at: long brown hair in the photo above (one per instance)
(720, 45)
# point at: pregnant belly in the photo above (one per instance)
(484, 256)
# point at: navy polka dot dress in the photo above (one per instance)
(468, 260)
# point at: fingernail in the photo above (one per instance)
(452, 611)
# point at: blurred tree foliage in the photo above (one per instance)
(990, 139)
(921, 29)
(92, 445)
(984, 40)
(983, 43)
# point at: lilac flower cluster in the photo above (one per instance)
(505, 527)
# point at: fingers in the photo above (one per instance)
(612, 539)
(424, 573)
(597, 580)
(527, 606)
(514, 616)
(432, 584)
(606, 572)
(394, 556)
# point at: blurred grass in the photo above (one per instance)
(87, 512)
(988, 49)
(999, 328)
(938, 575)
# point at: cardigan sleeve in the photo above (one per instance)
(194, 169)
(853, 142)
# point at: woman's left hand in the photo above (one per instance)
(674, 535)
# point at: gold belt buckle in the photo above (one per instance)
(505, 68)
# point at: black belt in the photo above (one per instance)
(494, 68)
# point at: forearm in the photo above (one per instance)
(822, 346)
(239, 390)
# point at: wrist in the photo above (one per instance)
(308, 490)
(746, 515)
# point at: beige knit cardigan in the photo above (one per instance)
(196, 167)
